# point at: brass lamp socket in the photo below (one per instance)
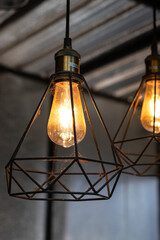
(152, 64)
(67, 60)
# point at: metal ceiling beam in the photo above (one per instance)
(121, 51)
(12, 4)
(35, 77)
(148, 3)
(30, 31)
(21, 12)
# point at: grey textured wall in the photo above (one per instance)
(19, 219)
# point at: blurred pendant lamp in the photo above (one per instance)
(138, 138)
(79, 168)
(10, 4)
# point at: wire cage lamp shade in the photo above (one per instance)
(138, 137)
(85, 164)
(96, 178)
(139, 151)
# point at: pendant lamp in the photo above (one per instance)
(85, 164)
(138, 137)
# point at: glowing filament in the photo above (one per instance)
(60, 123)
(150, 115)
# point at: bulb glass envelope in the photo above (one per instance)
(138, 137)
(88, 170)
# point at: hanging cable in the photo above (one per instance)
(67, 18)
(67, 40)
(154, 41)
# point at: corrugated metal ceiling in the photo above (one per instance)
(29, 42)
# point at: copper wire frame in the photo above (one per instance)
(134, 167)
(91, 193)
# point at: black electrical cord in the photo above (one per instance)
(67, 40)
(67, 18)
(154, 41)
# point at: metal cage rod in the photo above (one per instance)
(30, 123)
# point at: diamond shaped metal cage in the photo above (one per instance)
(138, 148)
(81, 178)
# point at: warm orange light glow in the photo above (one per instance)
(60, 123)
(151, 107)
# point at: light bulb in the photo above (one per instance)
(151, 107)
(60, 123)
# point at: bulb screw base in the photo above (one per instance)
(152, 64)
